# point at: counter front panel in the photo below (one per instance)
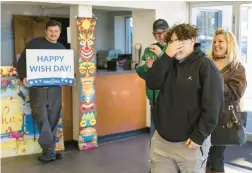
(121, 103)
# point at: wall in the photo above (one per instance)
(119, 33)
(7, 36)
(172, 11)
(110, 34)
(102, 30)
(142, 28)
(169, 6)
(114, 36)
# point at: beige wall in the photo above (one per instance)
(142, 28)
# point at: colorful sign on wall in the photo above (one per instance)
(87, 70)
(19, 132)
(50, 67)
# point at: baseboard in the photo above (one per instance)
(73, 144)
(119, 136)
(249, 137)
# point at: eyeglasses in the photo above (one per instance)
(158, 34)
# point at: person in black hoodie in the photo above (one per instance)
(189, 104)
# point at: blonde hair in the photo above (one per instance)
(232, 54)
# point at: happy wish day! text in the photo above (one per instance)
(50, 68)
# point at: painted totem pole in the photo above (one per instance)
(87, 69)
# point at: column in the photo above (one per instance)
(142, 33)
(82, 27)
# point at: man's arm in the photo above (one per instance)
(141, 70)
(21, 65)
(155, 76)
(212, 102)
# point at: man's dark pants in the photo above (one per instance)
(46, 108)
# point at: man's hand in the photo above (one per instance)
(191, 144)
(73, 83)
(25, 83)
(141, 64)
(155, 49)
(149, 62)
(174, 48)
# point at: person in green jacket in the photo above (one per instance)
(160, 28)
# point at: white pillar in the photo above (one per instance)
(142, 29)
(142, 33)
(76, 11)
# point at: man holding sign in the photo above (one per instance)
(40, 70)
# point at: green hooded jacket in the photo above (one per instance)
(143, 69)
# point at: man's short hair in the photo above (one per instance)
(183, 32)
(53, 23)
(160, 24)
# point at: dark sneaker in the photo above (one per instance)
(47, 157)
(59, 156)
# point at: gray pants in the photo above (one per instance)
(46, 108)
(168, 157)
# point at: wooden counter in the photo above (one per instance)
(121, 103)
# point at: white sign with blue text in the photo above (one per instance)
(47, 67)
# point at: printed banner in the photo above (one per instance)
(47, 67)
(87, 70)
(19, 131)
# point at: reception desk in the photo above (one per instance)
(121, 102)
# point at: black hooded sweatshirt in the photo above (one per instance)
(191, 96)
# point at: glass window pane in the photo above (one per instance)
(208, 19)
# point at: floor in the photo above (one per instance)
(124, 156)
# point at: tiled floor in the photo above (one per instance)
(125, 156)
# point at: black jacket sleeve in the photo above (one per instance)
(155, 76)
(236, 85)
(21, 65)
(212, 102)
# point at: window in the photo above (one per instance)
(208, 19)
(208, 22)
(128, 35)
(123, 34)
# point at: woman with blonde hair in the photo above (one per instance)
(225, 55)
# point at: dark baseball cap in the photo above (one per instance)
(160, 24)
